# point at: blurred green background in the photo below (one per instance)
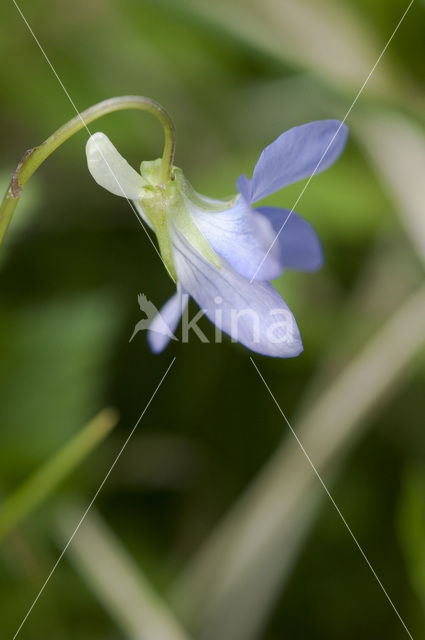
(213, 523)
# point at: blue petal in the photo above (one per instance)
(296, 154)
(162, 328)
(244, 187)
(236, 235)
(298, 243)
(253, 314)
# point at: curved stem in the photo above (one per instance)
(33, 158)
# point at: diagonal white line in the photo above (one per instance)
(337, 509)
(88, 130)
(117, 457)
(335, 135)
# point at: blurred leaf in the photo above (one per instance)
(325, 36)
(111, 573)
(54, 358)
(20, 504)
(411, 527)
(396, 146)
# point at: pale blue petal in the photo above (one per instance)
(162, 328)
(253, 314)
(298, 243)
(236, 236)
(244, 187)
(296, 154)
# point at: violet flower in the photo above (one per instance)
(225, 253)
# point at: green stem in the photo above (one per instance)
(33, 158)
(40, 484)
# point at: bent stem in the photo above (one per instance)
(33, 158)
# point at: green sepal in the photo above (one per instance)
(167, 205)
(154, 205)
(150, 170)
(179, 214)
(208, 204)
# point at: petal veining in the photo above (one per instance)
(235, 235)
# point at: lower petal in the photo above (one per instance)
(253, 314)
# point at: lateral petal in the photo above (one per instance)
(297, 242)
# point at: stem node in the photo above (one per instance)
(15, 187)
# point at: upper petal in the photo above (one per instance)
(253, 314)
(111, 170)
(163, 326)
(298, 153)
(235, 235)
(295, 239)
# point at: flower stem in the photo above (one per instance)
(33, 158)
